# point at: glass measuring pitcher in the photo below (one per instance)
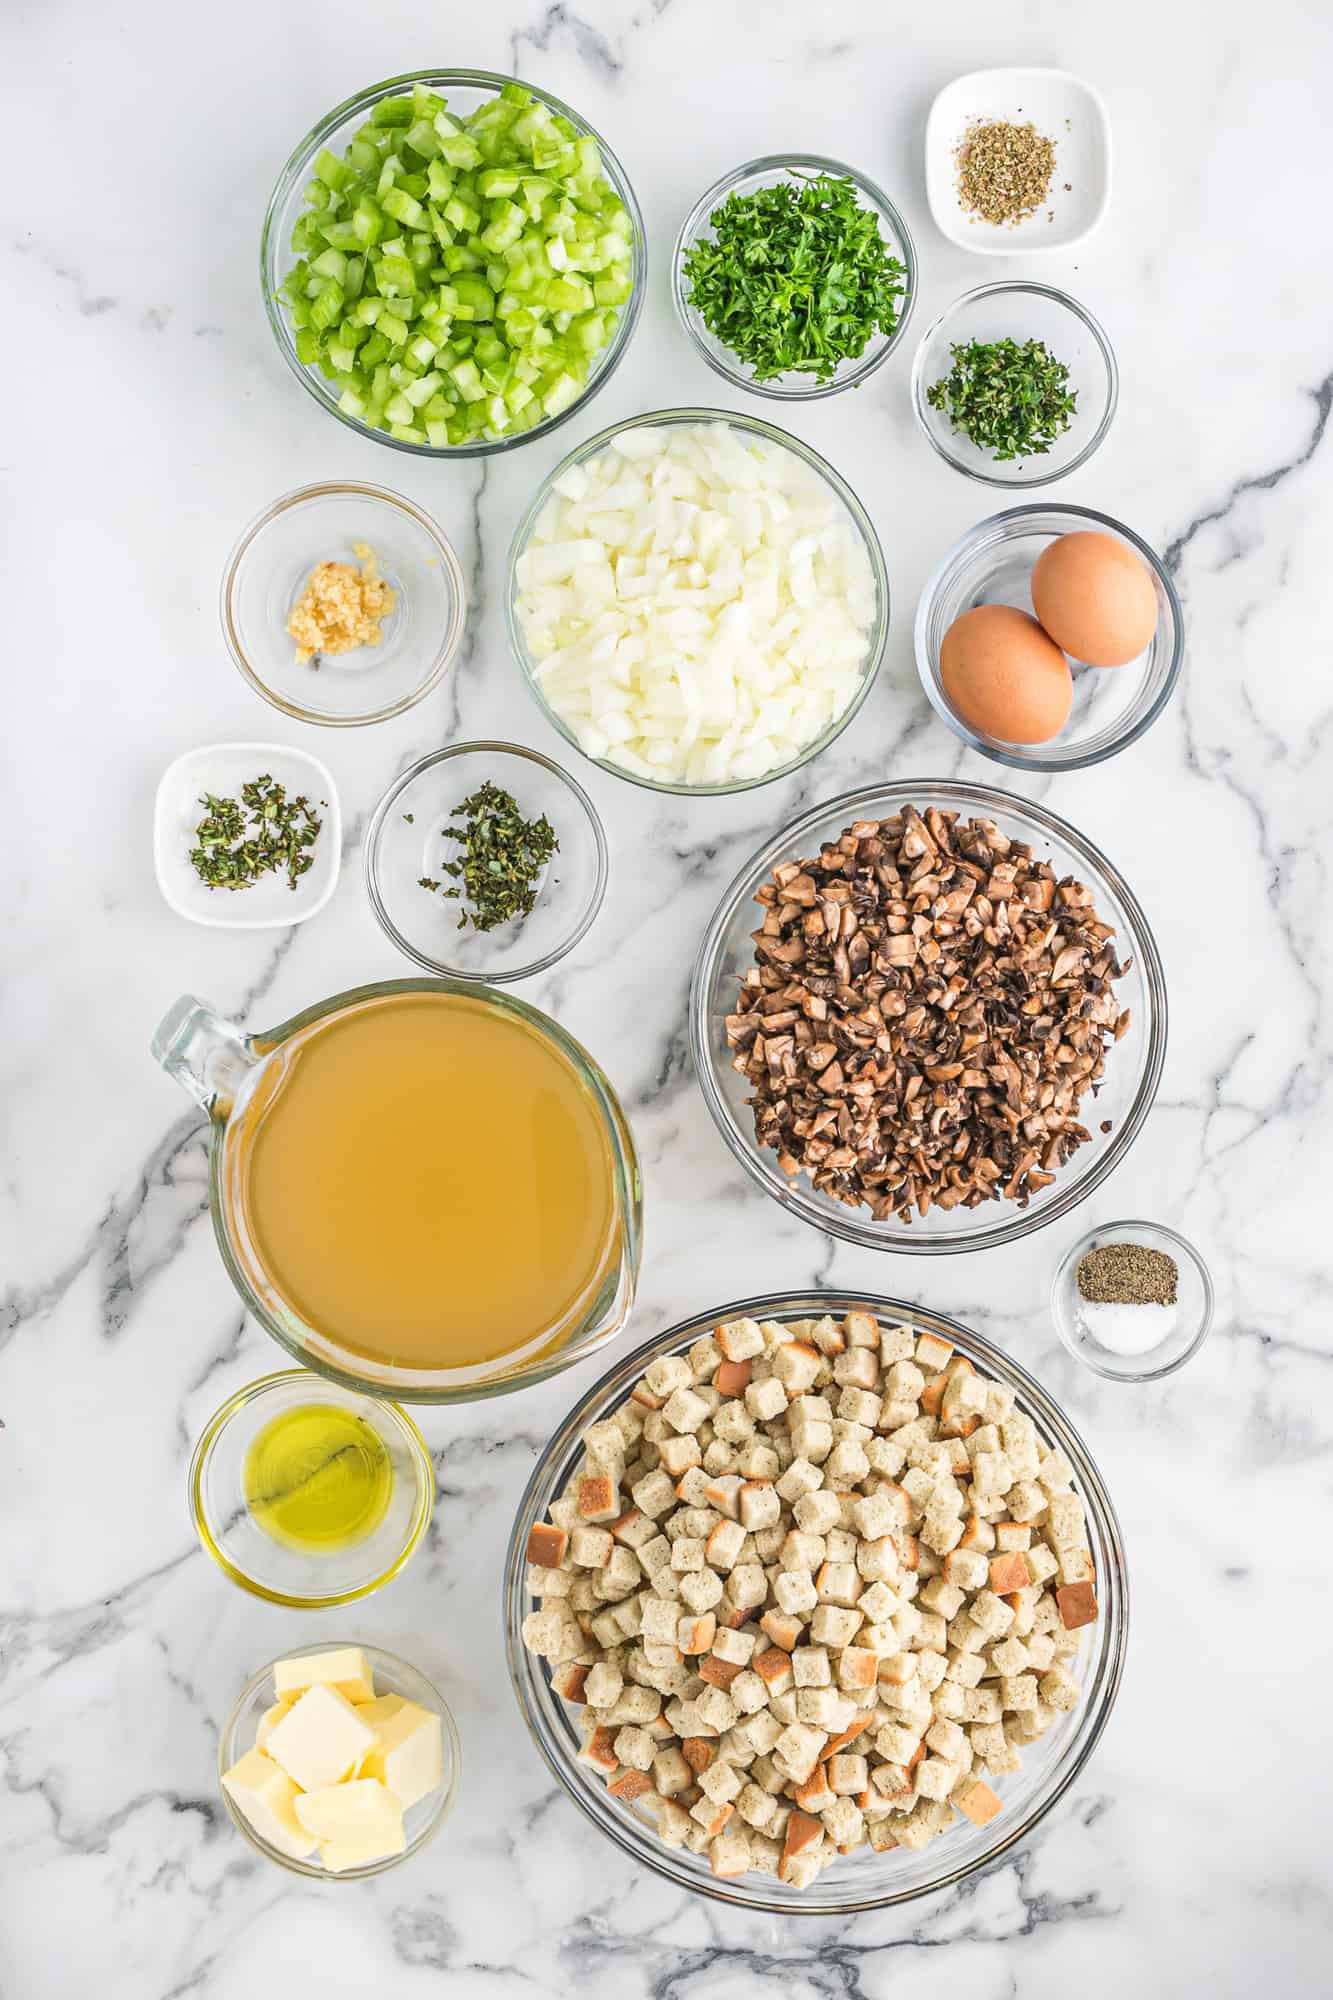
(423, 1189)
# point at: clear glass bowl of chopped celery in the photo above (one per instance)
(452, 262)
(776, 170)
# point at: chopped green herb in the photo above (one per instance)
(796, 279)
(410, 818)
(1013, 401)
(503, 858)
(238, 842)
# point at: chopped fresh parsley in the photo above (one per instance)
(796, 277)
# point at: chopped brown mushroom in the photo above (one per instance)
(928, 1007)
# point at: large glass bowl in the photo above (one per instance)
(992, 564)
(465, 89)
(777, 170)
(1133, 1065)
(853, 511)
(864, 1880)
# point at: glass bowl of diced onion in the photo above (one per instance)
(865, 1879)
(577, 308)
(698, 725)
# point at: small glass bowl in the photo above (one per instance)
(856, 514)
(406, 841)
(465, 90)
(242, 1549)
(992, 564)
(267, 573)
(772, 171)
(1193, 1313)
(864, 1880)
(1133, 1066)
(421, 1822)
(1021, 311)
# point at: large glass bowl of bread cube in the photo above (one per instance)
(863, 1879)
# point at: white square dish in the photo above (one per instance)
(1063, 107)
(222, 768)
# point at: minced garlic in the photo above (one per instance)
(341, 607)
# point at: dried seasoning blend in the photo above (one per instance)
(1127, 1296)
(1004, 170)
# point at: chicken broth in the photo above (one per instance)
(425, 1181)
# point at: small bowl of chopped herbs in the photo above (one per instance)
(794, 277)
(1015, 385)
(247, 836)
(486, 861)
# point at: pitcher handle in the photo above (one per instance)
(208, 1056)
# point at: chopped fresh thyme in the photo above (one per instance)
(502, 860)
(238, 842)
(796, 278)
(1013, 401)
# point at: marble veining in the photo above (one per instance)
(150, 418)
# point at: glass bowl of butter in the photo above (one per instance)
(338, 1761)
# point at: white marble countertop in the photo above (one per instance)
(149, 417)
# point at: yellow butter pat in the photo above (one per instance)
(355, 1823)
(408, 1754)
(345, 1668)
(263, 1792)
(269, 1720)
(378, 1711)
(320, 1739)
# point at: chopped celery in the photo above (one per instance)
(457, 278)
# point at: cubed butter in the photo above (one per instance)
(346, 1668)
(378, 1711)
(271, 1717)
(355, 1823)
(320, 1739)
(408, 1754)
(263, 1792)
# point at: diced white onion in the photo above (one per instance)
(697, 605)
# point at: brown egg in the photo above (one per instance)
(1095, 597)
(1004, 676)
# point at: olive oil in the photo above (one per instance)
(426, 1180)
(318, 1478)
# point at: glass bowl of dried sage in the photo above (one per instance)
(486, 861)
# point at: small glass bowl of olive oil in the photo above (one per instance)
(307, 1493)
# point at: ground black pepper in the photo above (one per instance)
(1127, 1274)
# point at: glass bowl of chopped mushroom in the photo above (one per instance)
(343, 604)
(975, 1051)
(794, 277)
(486, 861)
(843, 1729)
(1015, 384)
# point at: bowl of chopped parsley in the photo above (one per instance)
(1015, 385)
(794, 277)
(486, 861)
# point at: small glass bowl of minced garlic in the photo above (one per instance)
(343, 604)
(306, 1493)
(1132, 1300)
